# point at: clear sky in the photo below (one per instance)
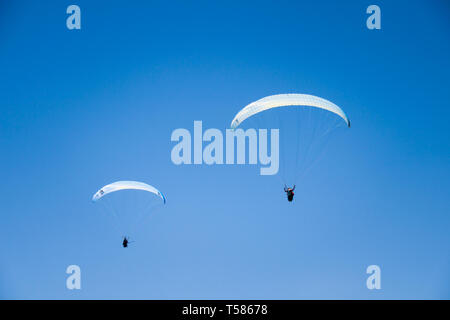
(83, 108)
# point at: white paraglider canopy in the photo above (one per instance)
(284, 100)
(126, 185)
(303, 124)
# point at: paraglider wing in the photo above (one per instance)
(284, 100)
(124, 185)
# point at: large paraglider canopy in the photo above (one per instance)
(305, 122)
(285, 100)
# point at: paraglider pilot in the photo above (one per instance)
(289, 192)
(125, 242)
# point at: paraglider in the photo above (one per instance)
(125, 242)
(286, 100)
(128, 202)
(305, 124)
(124, 185)
(289, 193)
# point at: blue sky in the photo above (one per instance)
(80, 109)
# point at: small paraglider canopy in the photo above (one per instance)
(126, 185)
(128, 204)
